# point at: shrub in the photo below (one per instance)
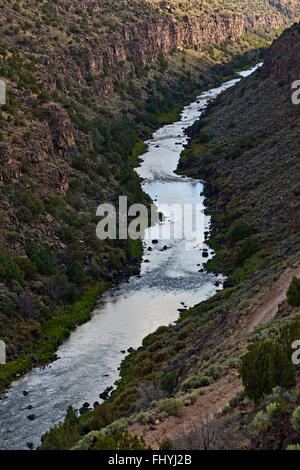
(194, 397)
(67, 234)
(113, 261)
(293, 293)
(204, 138)
(26, 305)
(55, 205)
(58, 288)
(239, 231)
(95, 273)
(237, 400)
(171, 406)
(145, 418)
(263, 367)
(277, 409)
(9, 270)
(120, 441)
(166, 445)
(295, 419)
(248, 249)
(28, 267)
(168, 382)
(204, 381)
(44, 261)
(261, 420)
(277, 393)
(30, 206)
(293, 447)
(100, 418)
(196, 381)
(289, 333)
(76, 273)
(225, 409)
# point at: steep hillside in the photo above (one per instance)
(247, 150)
(87, 81)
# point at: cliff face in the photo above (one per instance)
(145, 40)
(158, 36)
(285, 65)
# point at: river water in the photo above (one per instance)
(89, 360)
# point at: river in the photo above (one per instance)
(170, 279)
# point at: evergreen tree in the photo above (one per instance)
(293, 293)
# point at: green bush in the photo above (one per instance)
(30, 206)
(171, 406)
(293, 293)
(277, 409)
(44, 260)
(76, 273)
(293, 447)
(265, 366)
(100, 418)
(28, 267)
(120, 441)
(168, 382)
(248, 249)
(114, 261)
(196, 381)
(239, 231)
(58, 288)
(166, 445)
(261, 420)
(10, 271)
(63, 436)
(145, 418)
(288, 334)
(295, 419)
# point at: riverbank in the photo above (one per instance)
(55, 330)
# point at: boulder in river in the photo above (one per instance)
(104, 395)
(31, 417)
(154, 242)
(29, 445)
(25, 393)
